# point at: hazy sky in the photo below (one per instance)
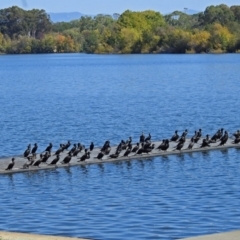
(114, 6)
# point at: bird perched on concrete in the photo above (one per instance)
(105, 146)
(135, 148)
(148, 138)
(237, 134)
(10, 166)
(165, 146)
(236, 141)
(61, 148)
(184, 134)
(67, 159)
(197, 135)
(91, 146)
(223, 139)
(77, 151)
(73, 148)
(107, 151)
(49, 148)
(45, 157)
(127, 152)
(38, 162)
(142, 138)
(34, 150)
(114, 155)
(205, 144)
(148, 148)
(139, 151)
(67, 145)
(55, 160)
(175, 136)
(85, 156)
(100, 155)
(27, 151)
(181, 143)
(161, 145)
(191, 144)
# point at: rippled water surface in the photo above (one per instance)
(55, 98)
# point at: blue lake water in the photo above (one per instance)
(77, 97)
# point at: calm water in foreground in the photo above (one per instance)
(55, 98)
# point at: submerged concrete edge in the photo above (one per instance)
(27, 236)
(234, 235)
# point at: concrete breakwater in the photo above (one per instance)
(20, 161)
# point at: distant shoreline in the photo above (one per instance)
(161, 53)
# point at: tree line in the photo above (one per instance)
(217, 29)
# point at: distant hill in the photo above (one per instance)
(65, 17)
(191, 11)
(69, 16)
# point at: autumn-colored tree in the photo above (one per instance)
(128, 37)
(64, 44)
(221, 38)
(200, 41)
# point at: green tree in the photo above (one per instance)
(12, 22)
(22, 45)
(218, 14)
(16, 22)
(2, 43)
(86, 23)
(141, 21)
(38, 23)
(175, 40)
(236, 12)
(182, 20)
(91, 41)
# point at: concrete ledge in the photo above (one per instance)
(155, 153)
(235, 235)
(25, 236)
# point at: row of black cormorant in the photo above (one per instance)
(143, 146)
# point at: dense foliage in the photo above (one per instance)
(217, 29)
